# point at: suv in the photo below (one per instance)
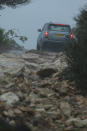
(54, 35)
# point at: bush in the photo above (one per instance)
(77, 52)
(3, 37)
(9, 36)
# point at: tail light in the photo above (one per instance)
(71, 36)
(46, 34)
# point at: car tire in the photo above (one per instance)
(38, 47)
(41, 48)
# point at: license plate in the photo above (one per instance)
(61, 35)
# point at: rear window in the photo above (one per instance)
(62, 28)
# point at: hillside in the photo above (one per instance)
(33, 92)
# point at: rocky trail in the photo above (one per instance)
(32, 92)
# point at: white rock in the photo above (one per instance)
(9, 97)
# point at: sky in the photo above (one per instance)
(26, 19)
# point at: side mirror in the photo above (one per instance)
(39, 30)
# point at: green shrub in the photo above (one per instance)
(77, 52)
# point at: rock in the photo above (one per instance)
(26, 109)
(10, 98)
(32, 66)
(54, 114)
(12, 123)
(9, 85)
(17, 111)
(43, 95)
(10, 64)
(47, 107)
(77, 122)
(16, 72)
(40, 110)
(44, 103)
(65, 108)
(61, 87)
(80, 99)
(9, 113)
(46, 72)
(5, 113)
(84, 123)
(60, 62)
(64, 88)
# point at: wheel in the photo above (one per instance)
(38, 47)
(43, 47)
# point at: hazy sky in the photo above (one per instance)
(27, 19)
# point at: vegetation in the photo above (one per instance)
(9, 36)
(77, 52)
(12, 3)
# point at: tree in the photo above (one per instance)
(77, 52)
(9, 36)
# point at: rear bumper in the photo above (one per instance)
(55, 44)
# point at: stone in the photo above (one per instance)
(62, 90)
(77, 122)
(17, 111)
(47, 107)
(40, 110)
(65, 108)
(43, 95)
(53, 114)
(10, 98)
(9, 113)
(9, 85)
(60, 62)
(42, 101)
(12, 123)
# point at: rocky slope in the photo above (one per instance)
(33, 92)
